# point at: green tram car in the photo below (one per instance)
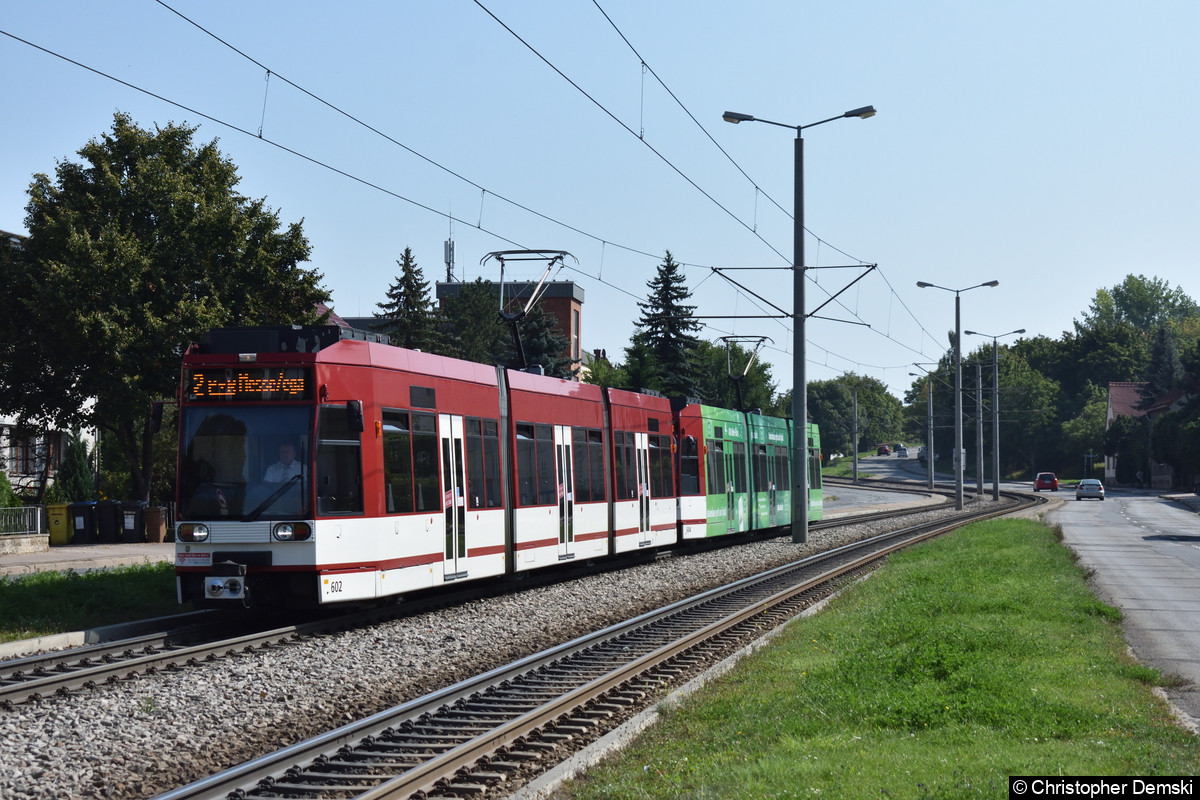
(735, 471)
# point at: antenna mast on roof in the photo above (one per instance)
(449, 252)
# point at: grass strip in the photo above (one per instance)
(963, 661)
(44, 603)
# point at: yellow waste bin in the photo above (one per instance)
(58, 518)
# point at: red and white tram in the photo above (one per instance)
(410, 470)
(319, 464)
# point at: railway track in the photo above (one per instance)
(506, 726)
(31, 678)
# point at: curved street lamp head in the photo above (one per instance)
(989, 336)
(861, 113)
(924, 285)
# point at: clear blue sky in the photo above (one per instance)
(1049, 145)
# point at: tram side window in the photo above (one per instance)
(339, 464)
(426, 475)
(579, 455)
(483, 463)
(783, 476)
(668, 468)
(620, 485)
(476, 493)
(526, 472)
(814, 469)
(761, 478)
(655, 465)
(547, 485)
(491, 463)
(739, 466)
(626, 455)
(596, 462)
(397, 462)
(661, 473)
(689, 466)
(715, 463)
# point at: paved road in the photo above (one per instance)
(1146, 555)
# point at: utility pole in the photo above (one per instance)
(854, 433)
(978, 429)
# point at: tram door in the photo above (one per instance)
(767, 463)
(454, 495)
(731, 510)
(566, 491)
(642, 444)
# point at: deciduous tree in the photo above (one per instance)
(134, 252)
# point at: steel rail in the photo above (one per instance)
(32, 677)
(331, 757)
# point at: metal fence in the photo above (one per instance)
(20, 520)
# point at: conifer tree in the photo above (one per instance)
(1163, 370)
(473, 328)
(667, 328)
(75, 481)
(409, 316)
(543, 345)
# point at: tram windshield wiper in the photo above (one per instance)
(270, 501)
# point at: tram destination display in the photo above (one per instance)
(255, 383)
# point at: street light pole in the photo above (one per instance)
(854, 434)
(978, 429)
(958, 422)
(995, 406)
(800, 500)
(929, 449)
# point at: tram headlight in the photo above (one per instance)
(292, 531)
(192, 532)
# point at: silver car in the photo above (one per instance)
(1089, 487)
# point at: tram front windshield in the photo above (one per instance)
(245, 462)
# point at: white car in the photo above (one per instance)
(1089, 487)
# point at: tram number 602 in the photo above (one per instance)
(335, 587)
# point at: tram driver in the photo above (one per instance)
(286, 468)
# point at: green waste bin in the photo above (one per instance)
(58, 520)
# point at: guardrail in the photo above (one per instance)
(20, 521)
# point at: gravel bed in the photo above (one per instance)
(157, 733)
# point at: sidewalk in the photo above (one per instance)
(83, 557)
(1188, 500)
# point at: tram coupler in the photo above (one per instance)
(227, 581)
